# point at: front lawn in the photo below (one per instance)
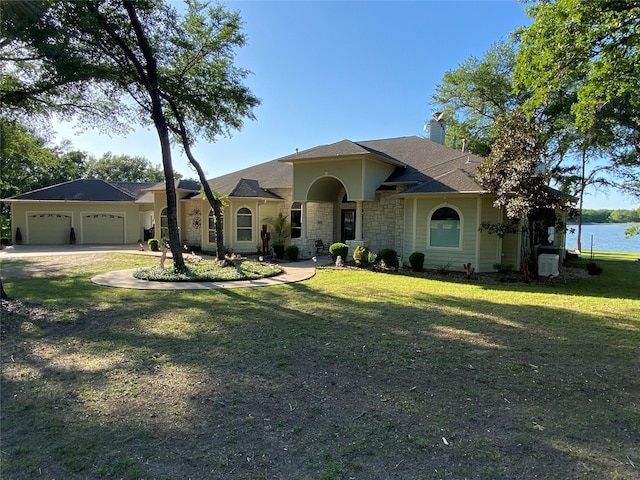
(351, 374)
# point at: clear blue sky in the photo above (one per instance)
(326, 71)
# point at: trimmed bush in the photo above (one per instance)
(4, 242)
(18, 236)
(72, 236)
(503, 268)
(361, 256)
(416, 259)
(278, 249)
(389, 258)
(339, 250)
(292, 253)
(154, 244)
(593, 269)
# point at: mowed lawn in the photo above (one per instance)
(349, 375)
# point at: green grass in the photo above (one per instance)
(351, 374)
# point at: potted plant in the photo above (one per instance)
(281, 231)
(278, 249)
(72, 237)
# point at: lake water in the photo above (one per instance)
(606, 236)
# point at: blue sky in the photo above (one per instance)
(326, 71)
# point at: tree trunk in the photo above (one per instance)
(215, 203)
(3, 294)
(149, 77)
(582, 187)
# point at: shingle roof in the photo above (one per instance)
(273, 174)
(81, 191)
(426, 165)
(342, 148)
(251, 189)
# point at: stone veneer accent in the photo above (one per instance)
(382, 222)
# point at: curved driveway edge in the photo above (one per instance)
(124, 279)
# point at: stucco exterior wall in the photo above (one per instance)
(490, 247)
(417, 224)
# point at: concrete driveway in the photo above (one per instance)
(293, 271)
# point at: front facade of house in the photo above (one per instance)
(410, 194)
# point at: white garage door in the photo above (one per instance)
(103, 228)
(49, 228)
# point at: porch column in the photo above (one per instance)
(358, 220)
(303, 214)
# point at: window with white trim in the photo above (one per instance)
(244, 222)
(444, 228)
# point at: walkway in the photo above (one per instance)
(293, 271)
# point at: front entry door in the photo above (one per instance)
(348, 225)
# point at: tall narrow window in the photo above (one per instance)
(164, 224)
(296, 220)
(244, 225)
(211, 226)
(445, 228)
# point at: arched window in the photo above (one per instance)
(444, 228)
(244, 222)
(211, 226)
(164, 224)
(296, 220)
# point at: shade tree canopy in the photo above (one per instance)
(591, 49)
(145, 61)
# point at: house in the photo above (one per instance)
(409, 193)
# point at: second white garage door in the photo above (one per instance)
(103, 228)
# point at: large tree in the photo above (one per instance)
(592, 48)
(123, 168)
(475, 94)
(28, 161)
(145, 49)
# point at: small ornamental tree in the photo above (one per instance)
(512, 173)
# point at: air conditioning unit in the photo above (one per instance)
(548, 265)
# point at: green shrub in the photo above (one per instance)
(593, 269)
(292, 253)
(361, 256)
(278, 249)
(4, 242)
(389, 258)
(154, 244)
(416, 259)
(503, 268)
(339, 250)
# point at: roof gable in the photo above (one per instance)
(250, 188)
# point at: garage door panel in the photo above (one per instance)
(49, 228)
(103, 228)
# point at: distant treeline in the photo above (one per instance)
(608, 216)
